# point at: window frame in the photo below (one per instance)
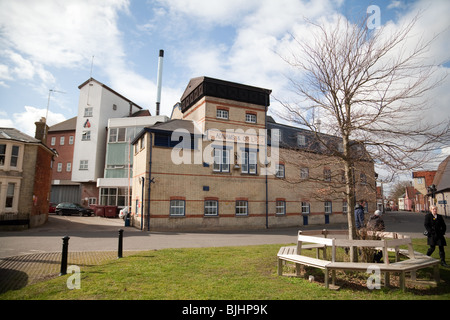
(280, 173)
(84, 165)
(302, 173)
(250, 118)
(222, 155)
(280, 204)
(175, 205)
(305, 207)
(207, 205)
(328, 205)
(14, 159)
(241, 205)
(222, 114)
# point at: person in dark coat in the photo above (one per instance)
(436, 228)
(359, 215)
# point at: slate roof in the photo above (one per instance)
(442, 177)
(16, 135)
(67, 125)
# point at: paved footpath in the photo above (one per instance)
(33, 255)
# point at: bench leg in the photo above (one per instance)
(386, 279)
(333, 277)
(298, 269)
(402, 281)
(436, 274)
(327, 285)
(413, 275)
(280, 267)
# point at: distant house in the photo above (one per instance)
(442, 183)
(421, 181)
(25, 177)
(410, 198)
(61, 137)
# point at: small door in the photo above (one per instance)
(305, 220)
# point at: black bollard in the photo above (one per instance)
(65, 248)
(119, 253)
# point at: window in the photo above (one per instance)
(241, 207)
(84, 164)
(10, 195)
(343, 179)
(221, 160)
(249, 162)
(108, 196)
(326, 175)
(280, 207)
(363, 178)
(86, 136)
(250, 118)
(305, 208)
(53, 141)
(14, 156)
(222, 114)
(59, 167)
(177, 207)
(69, 167)
(344, 207)
(304, 173)
(2, 154)
(88, 112)
(279, 171)
(61, 141)
(328, 207)
(117, 134)
(211, 207)
(301, 140)
(70, 139)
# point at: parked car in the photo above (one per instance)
(67, 208)
(51, 207)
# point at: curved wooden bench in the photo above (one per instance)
(415, 262)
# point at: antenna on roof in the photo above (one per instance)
(46, 113)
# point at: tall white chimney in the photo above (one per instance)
(159, 80)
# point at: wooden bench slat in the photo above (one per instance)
(312, 262)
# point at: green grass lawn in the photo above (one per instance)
(227, 273)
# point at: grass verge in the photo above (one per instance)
(227, 273)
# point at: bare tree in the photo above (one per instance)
(368, 86)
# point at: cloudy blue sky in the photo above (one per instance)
(50, 44)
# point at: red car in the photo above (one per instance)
(51, 207)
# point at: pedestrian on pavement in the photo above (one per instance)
(359, 215)
(436, 228)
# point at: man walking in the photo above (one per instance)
(436, 227)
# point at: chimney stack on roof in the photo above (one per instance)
(159, 80)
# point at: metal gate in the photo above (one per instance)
(65, 193)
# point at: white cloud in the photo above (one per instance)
(24, 121)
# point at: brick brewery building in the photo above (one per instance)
(207, 167)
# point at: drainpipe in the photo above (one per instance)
(267, 184)
(142, 204)
(149, 181)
